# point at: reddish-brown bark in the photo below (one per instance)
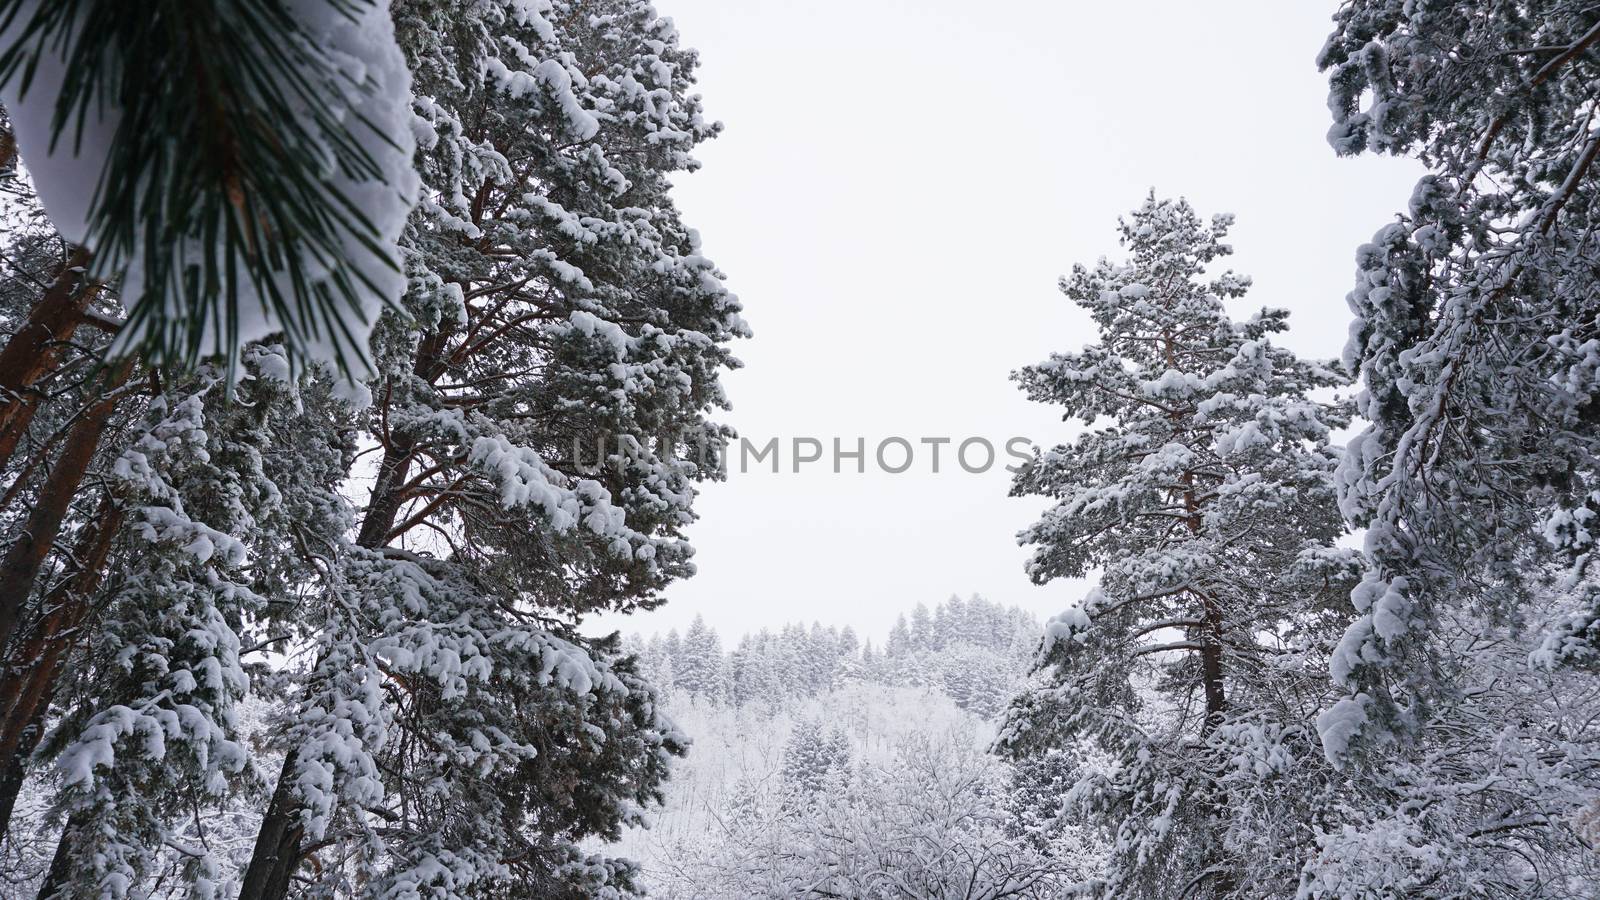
(21, 564)
(35, 661)
(35, 348)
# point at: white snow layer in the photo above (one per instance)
(362, 45)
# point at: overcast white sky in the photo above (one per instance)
(898, 189)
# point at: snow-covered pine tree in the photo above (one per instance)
(701, 669)
(819, 658)
(62, 509)
(1475, 337)
(134, 658)
(1183, 681)
(922, 637)
(849, 646)
(899, 642)
(813, 755)
(776, 667)
(146, 740)
(871, 662)
(561, 345)
(1498, 796)
(744, 679)
(950, 623)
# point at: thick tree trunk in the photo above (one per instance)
(1221, 877)
(1211, 631)
(61, 862)
(1211, 664)
(386, 501)
(1222, 881)
(36, 347)
(23, 560)
(37, 660)
(277, 850)
(16, 770)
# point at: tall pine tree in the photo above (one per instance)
(1202, 493)
(540, 420)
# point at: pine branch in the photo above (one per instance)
(229, 121)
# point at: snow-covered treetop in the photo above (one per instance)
(565, 335)
(1202, 497)
(1193, 395)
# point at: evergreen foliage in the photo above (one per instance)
(391, 695)
(1202, 497)
(241, 168)
(1473, 338)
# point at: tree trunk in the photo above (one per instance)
(1221, 876)
(61, 862)
(23, 560)
(1215, 805)
(386, 501)
(1211, 663)
(16, 770)
(36, 346)
(37, 660)
(277, 851)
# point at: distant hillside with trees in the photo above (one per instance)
(822, 763)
